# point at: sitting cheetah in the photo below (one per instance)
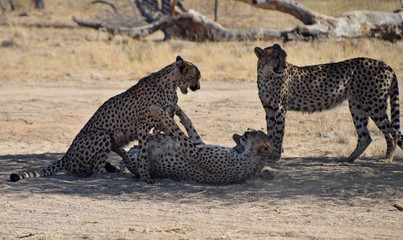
(176, 156)
(127, 116)
(365, 83)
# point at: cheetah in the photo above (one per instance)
(177, 156)
(121, 119)
(366, 84)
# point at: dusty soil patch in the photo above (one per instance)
(307, 195)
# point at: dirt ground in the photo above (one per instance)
(54, 75)
(307, 195)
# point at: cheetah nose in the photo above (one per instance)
(194, 88)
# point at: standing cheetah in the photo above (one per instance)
(121, 119)
(366, 83)
(177, 156)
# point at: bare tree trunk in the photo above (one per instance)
(215, 10)
(11, 5)
(166, 7)
(302, 13)
(192, 25)
(38, 4)
(144, 13)
(388, 26)
(195, 26)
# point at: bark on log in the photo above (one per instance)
(136, 33)
(39, 4)
(198, 27)
(355, 24)
(194, 26)
(191, 26)
(144, 13)
(302, 13)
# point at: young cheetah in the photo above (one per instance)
(122, 119)
(177, 156)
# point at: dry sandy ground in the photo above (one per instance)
(307, 195)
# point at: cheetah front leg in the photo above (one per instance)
(172, 129)
(129, 160)
(187, 123)
(118, 140)
(196, 155)
(275, 120)
(390, 134)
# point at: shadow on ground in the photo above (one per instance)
(290, 178)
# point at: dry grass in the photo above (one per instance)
(54, 50)
(47, 49)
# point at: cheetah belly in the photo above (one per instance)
(313, 101)
(170, 161)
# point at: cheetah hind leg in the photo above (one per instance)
(360, 120)
(391, 136)
(361, 146)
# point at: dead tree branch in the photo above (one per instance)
(192, 25)
(302, 13)
(136, 32)
(350, 25)
(144, 13)
(107, 3)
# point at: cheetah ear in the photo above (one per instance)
(182, 67)
(236, 138)
(276, 46)
(259, 52)
(179, 58)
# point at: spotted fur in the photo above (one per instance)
(366, 83)
(177, 156)
(122, 119)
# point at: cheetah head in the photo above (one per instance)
(272, 60)
(257, 142)
(190, 75)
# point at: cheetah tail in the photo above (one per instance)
(50, 170)
(395, 109)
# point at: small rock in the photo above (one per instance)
(399, 206)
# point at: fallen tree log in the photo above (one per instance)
(384, 25)
(299, 11)
(136, 32)
(192, 25)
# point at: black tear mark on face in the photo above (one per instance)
(277, 70)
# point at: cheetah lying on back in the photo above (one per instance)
(366, 83)
(176, 156)
(126, 115)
